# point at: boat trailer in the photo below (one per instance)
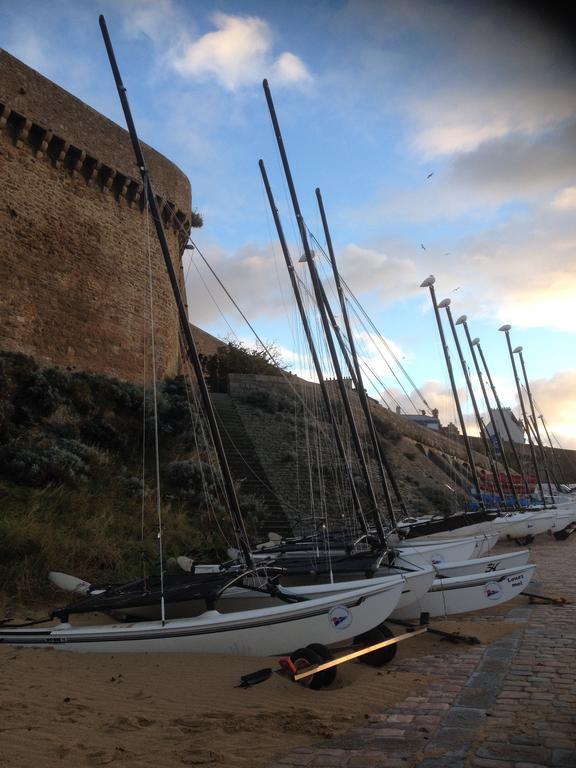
(316, 667)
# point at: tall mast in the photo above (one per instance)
(232, 499)
(323, 316)
(429, 283)
(506, 330)
(472, 343)
(379, 453)
(511, 442)
(311, 345)
(518, 351)
(481, 425)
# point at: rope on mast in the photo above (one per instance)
(377, 332)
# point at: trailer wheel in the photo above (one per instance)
(303, 659)
(561, 535)
(382, 655)
(328, 675)
(523, 541)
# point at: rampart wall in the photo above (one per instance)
(75, 234)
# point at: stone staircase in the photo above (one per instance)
(245, 465)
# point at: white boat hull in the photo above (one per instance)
(483, 543)
(565, 516)
(525, 524)
(484, 564)
(459, 533)
(237, 599)
(436, 553)
(462, 594)
(271, 631)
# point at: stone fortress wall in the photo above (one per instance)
(74, 233)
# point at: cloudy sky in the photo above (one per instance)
(442, 135)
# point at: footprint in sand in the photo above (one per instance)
(107, 756)
(122, 723)
(201, 757)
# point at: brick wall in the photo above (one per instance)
(73, 234)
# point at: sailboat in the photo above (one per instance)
(338, 615)
(464, 590)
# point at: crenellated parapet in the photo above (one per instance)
(80, 267)
(45, 143)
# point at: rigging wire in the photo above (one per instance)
(155, 403)
(374, 328)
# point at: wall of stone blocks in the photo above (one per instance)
(75, 235)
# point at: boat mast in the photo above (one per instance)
(323, 316)
(518, 351)
(472, 343)
(232, 499)
(481, 425)
(476, 343)
(311, 345)
(379, 453)
(429, 283)
(506, 330)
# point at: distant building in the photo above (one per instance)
(451, 430)
(430, 422)
(515, 426)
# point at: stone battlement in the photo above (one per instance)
(74, 245)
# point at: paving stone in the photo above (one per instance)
(476, 697)
(564, 757)
(445, 761)
(501, 652)
(493, 665)
(486, 680)
(453, 737)
(510, 705)
(532, 741)
(465, 717)
(514, 752)
(483, 762)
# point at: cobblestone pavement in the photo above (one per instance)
(511, 704)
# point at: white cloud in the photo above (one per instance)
(254, 275)
(566, 198)
(289, 69)
(390, 269)
(238, 53)
(161, 21)
(452, 122)
(555, 399)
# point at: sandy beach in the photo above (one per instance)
(66, 709)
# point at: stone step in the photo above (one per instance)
(244, 463)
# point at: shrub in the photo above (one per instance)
(65, 430)
(133, 486)
(438, 498)
(191, 480)
(253, 509)
(35, 397)
(271, 402)
(235, 357)
(40, 464)
(98, 430)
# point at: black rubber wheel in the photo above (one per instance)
(303, 659)
(377, 635)
(328, 675)
(561, 535)
(523, 541)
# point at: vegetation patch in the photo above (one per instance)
(78, 484)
